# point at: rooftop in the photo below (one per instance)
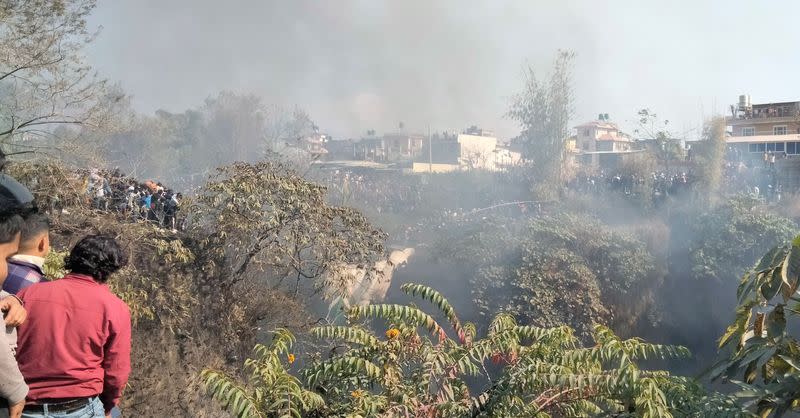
(764, 112)
(598, 124)
(775, 104)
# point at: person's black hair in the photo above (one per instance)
(16, 201)
(96, 255)
(10, 223)
(35, 224)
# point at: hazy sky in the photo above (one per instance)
(358, 65)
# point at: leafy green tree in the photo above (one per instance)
(709, 248)
(568, 269)
(728, 239)
(763, 351)
(274, 388)
(543, 110)
(421, 368)
(265, 220)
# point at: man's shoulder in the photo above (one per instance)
(21, 276)
(16, 266)
(114, 302)
(118, 310)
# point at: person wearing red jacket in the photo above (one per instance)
(74, 349)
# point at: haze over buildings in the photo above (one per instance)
(364, 64)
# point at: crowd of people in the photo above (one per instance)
(65, 352)
(658, 185)
(148, 201)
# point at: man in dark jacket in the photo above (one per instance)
(25, 267)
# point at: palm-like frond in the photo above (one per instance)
(439, 301)
(230, 394)
(337, 368)
(400, 314)
(543, 371)
(354, 335)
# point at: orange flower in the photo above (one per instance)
(392, 333)
(357, 393)
(291, 358)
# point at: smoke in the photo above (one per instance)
(363, 64)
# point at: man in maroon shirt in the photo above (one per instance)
(74, 350)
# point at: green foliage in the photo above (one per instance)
(764, 357)
(729, 238)
(276, 393)
(563, 269)
(519, 370)
(54, 264)
(438, 300)
(265, 219)
(543, 110)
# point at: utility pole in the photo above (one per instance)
(430, 150)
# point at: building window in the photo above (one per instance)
(753, 147)
(779, 146)
(779, 130)
(587, 132)
(762, 147)
(748, 131)
(793, 148)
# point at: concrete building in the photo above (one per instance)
(474, 149)
(477, 152)
(402, 147)
(389, 148)
(600, 143)
(759, 128)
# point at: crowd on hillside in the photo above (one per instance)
(65, 351)
(657, 185)
(760, 182)
(148, 201)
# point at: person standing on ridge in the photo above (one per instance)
(74, 350)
